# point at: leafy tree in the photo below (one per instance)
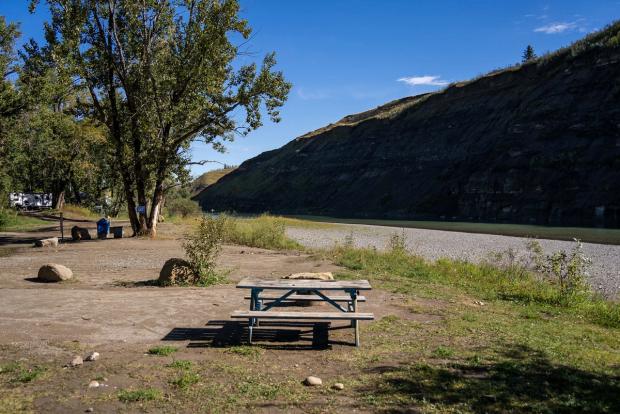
(161, 74)
(55, 147)
(10, 104)
(528, 54)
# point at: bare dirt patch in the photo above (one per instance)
(106, 309)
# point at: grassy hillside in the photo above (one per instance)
(208, 178)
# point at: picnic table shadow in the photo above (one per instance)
(271, 335)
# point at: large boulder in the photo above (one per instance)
(310, 276)
(51, 242)
(80, 233)
(52, 272)
(176, 271)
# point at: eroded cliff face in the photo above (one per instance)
(536, 144)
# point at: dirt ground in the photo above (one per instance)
(109, 309)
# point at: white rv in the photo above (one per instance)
(30, 201)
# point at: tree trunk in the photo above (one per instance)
(156, 205)
(58, 199)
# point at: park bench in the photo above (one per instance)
(303, 290)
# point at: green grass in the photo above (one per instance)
(163, 350)
(585, 234)
(11, 221)
(443, 352)
(267, 232)
(403, 272)
(146, 394)
(525, 349)
(16, 372)
(76, 211)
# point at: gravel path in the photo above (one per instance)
(435, 244)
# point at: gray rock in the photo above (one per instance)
(52, 272)
(89, 410)
(51, 242)
(76, 361)
(338, 386)
(313, 381)
(93, 356)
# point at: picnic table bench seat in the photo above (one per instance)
(332, 316)
(322, 316)
(313, 298)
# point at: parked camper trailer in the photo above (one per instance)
(30, 201)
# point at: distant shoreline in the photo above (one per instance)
(585, 234)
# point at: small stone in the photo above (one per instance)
(51, 242)
(338, 386)
(93, 384)
(89, 410)
(313, 381)
(93, 356)
(76, 361)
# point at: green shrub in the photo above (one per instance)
(203, 247)
(568, 271)
(182, 207)
(398, 242)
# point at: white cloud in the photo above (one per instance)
(313, 95)
(555, 28)
(423, 80)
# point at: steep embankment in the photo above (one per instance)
(537, 143)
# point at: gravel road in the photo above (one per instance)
(435, 244)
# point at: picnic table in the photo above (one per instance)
(289, 290)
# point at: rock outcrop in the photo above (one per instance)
(537, 143)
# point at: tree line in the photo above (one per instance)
(113, 99)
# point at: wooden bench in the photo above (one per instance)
(319, 316)
(313, 298)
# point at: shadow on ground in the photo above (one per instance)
(524, 381)
(270, 335)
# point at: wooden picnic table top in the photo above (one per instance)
(289, 284)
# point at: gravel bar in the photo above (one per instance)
(604, 274)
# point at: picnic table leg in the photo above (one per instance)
(255, 305)
(355, 323)
(250, 334)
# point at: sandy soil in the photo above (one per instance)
(107, 309)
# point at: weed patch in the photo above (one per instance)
(163, 350)
(147, 394)
(185, 380)
(180, 364)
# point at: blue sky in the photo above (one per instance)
(346, 56)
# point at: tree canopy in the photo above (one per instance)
(158, 75)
